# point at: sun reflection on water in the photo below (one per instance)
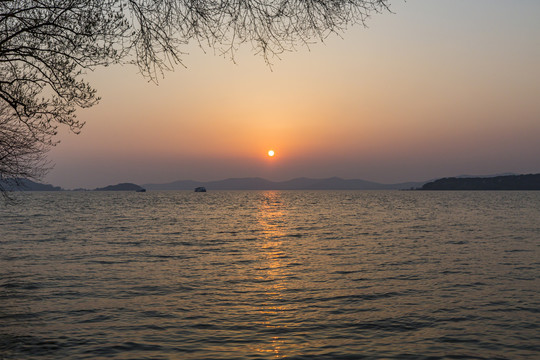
(272, 275)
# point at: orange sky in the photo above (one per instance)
(436, 89)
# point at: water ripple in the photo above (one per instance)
(271, 275)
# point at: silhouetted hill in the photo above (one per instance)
(121, 187)
(483, 176)
(175, 185)
(509, 182)
(26, 185)
(257, 183)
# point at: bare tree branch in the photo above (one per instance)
(46, 47)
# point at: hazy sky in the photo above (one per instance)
(438, 88)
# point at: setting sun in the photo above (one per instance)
(271, 153)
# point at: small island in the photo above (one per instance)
(122, 187)
(507, 182)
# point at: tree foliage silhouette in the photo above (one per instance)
(47, 46)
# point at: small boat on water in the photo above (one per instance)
(200, 189)
(141, 190)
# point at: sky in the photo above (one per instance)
(433, 89)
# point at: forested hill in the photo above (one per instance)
(26, 185)
(509, 182)
(121, 187)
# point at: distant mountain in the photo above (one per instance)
(257, 183)
(175, 185)
(121, 187)
(507, 182)
(26, 185)
(482, 176)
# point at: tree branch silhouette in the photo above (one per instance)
(47, 46)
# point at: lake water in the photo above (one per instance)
(270, 275)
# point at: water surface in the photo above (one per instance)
(270, 275)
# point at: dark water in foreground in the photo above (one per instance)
(270, 275)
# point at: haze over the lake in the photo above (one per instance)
(437, 88)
